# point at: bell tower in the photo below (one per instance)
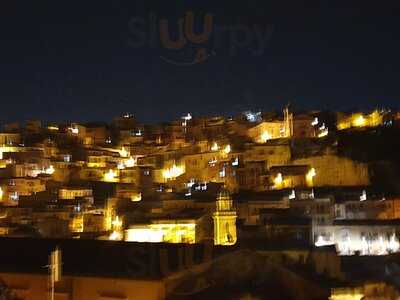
(224, 220)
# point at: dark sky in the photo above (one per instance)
(73, 60)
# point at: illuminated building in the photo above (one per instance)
(310, 177)
(10, 139)
(130, 162)
(116, 227)
(274, 153)
(365, 237)
(368, 290)
(167, 231)
(124, 153)
(224, 220)
(274, 129)
(291, 176)
(23, 187)
(100, 270)
(267, 131)
(50, 170)
(89, 134)
(71, 193)
(278, 181)
(173, 172)
(111, 176)
(53, 127)
(76, 224)
(136, 197)
(334, 170)
(96, 161)
(110, 213)
(227, 149)
(115, 236)
(214, 147)
(265, 136)
(360, 120)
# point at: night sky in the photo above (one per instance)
(74, 60)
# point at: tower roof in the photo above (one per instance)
(224, 194)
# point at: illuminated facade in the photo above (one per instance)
(360, 120)
(168, 231)
(173, 172)
(369, 290)
(282, 177)
(365, 237)
(224, 220)
(269, 130)
(333, 170)
(70, 193)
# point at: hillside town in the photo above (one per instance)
(307, 195)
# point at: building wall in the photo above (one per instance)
(35, 287)
(273, 155)
(70, 194)
(274, 130)
(336, 171)
(370, 290)
(365, 239)
(10, 138)
(302, 128)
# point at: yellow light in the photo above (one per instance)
(359, 121)
(131, 162)
(278, 181)
(1, 154)
(310, 177)
(144, 235)
(54, 128)
(173, 172)
(123, 152)
(346, 295)
(117, 223)
(115, 236)
(121, 166)
(168, 233)
(265, 136)
(110, 175)
(227, 149)
(50, 170)
(74, 130)
(1, 194)
(214, 147)
(323, 133)
(136, 198)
